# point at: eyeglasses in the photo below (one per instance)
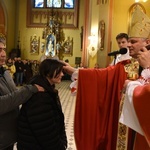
(2, 48)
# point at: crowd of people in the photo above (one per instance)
(22, 70)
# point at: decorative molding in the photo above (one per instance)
(101, 2)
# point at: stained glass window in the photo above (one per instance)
(67, 4)
(39, 3)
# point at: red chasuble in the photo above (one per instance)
(97, 107)
(141, 101)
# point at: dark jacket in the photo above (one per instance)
(19, 66)
(41, 121)
(10, 99)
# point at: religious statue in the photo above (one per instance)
(34, 42)
(50, 45)
(101, 34)
(81, 35)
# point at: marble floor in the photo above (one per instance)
(68, 106)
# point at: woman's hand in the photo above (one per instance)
(40, 88)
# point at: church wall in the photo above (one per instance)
(26, 33)
(120, 19)
(94, 28)
(115, 15)
(104, 10)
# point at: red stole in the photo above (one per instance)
(97, 107)
(141, 101)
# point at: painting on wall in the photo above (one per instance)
(68, 47)
(34, 44)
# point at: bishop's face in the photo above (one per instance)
(135, 45)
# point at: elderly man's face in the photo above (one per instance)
(2, 54)
(135, 45)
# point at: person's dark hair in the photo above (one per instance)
(122, 35)
(50, 67)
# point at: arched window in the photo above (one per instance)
(63, 4)
(39, 12)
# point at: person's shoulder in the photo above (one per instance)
(7, 73)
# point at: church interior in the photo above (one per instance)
(83, 32)
(93, 25)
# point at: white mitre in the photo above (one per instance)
(140, 24)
